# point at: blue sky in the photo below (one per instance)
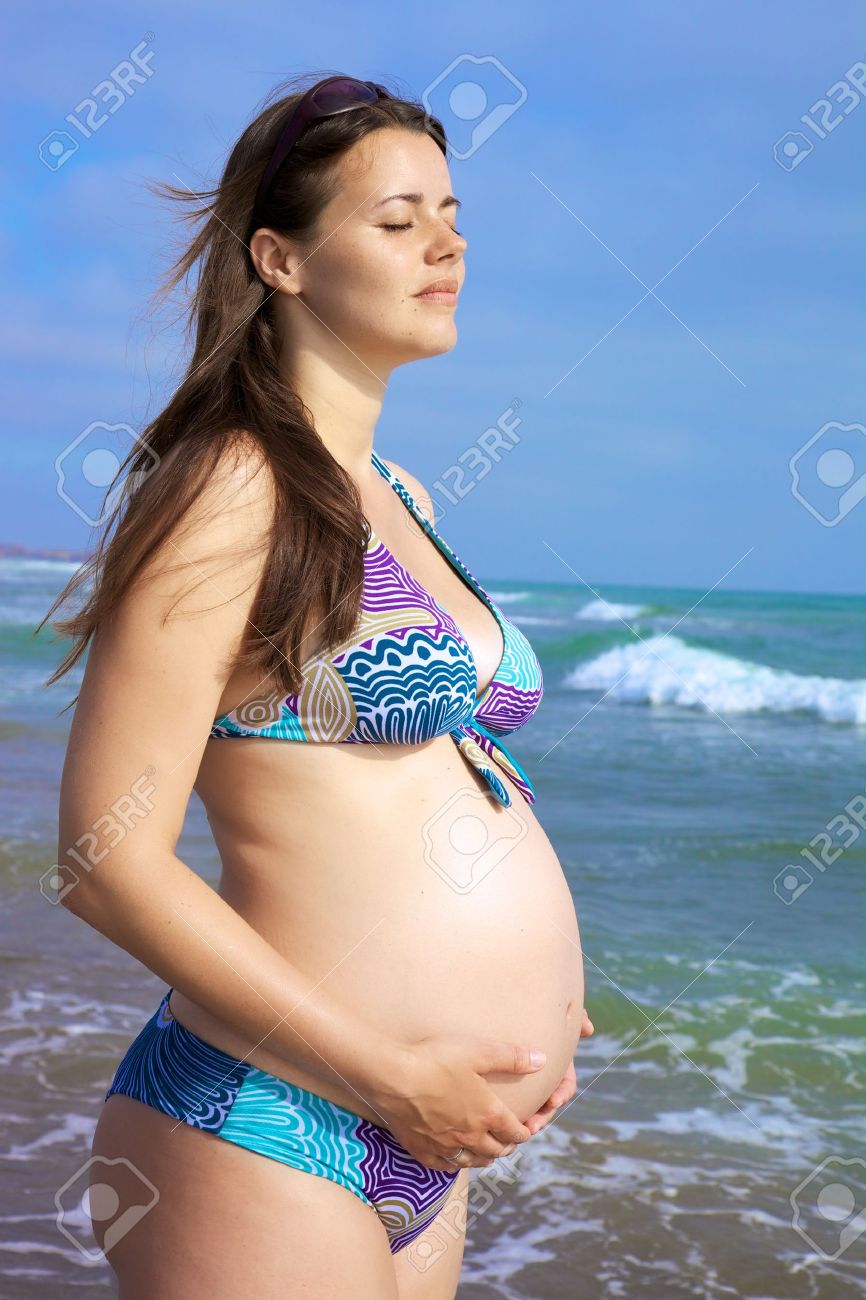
(655, 437)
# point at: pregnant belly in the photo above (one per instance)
(450, 915)
(501, 961)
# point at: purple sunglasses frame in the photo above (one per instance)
(307, 110)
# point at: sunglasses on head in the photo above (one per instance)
(333, 95)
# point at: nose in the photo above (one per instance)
(458, 244)
(448, 244)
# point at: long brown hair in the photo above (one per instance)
(232, 391)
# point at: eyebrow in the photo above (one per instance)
(450, 201)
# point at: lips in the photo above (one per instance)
(447, 285)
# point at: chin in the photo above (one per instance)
(436, 345)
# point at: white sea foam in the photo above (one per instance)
(507, 597)
(753, 1125)
(608, 611)
(666, 670)
(796, 979)
(512, 1252)
(572, 1193)
(15, 568)
(73, 1130)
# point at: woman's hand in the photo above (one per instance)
(436, 1100)
(564, 1090)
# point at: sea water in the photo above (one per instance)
(698, 761)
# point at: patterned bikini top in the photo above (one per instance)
(406, 674)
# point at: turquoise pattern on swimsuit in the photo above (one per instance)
(281, 1120)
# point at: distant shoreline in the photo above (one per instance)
(12, 550)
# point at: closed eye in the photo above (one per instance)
(407, 225)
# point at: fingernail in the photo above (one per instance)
(537, 1058)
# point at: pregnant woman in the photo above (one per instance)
(386, 990)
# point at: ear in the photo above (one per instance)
(278, 260)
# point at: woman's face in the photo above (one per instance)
(356, 285)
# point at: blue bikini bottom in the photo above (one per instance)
(169, 1067)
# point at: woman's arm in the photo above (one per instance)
(151, 689)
